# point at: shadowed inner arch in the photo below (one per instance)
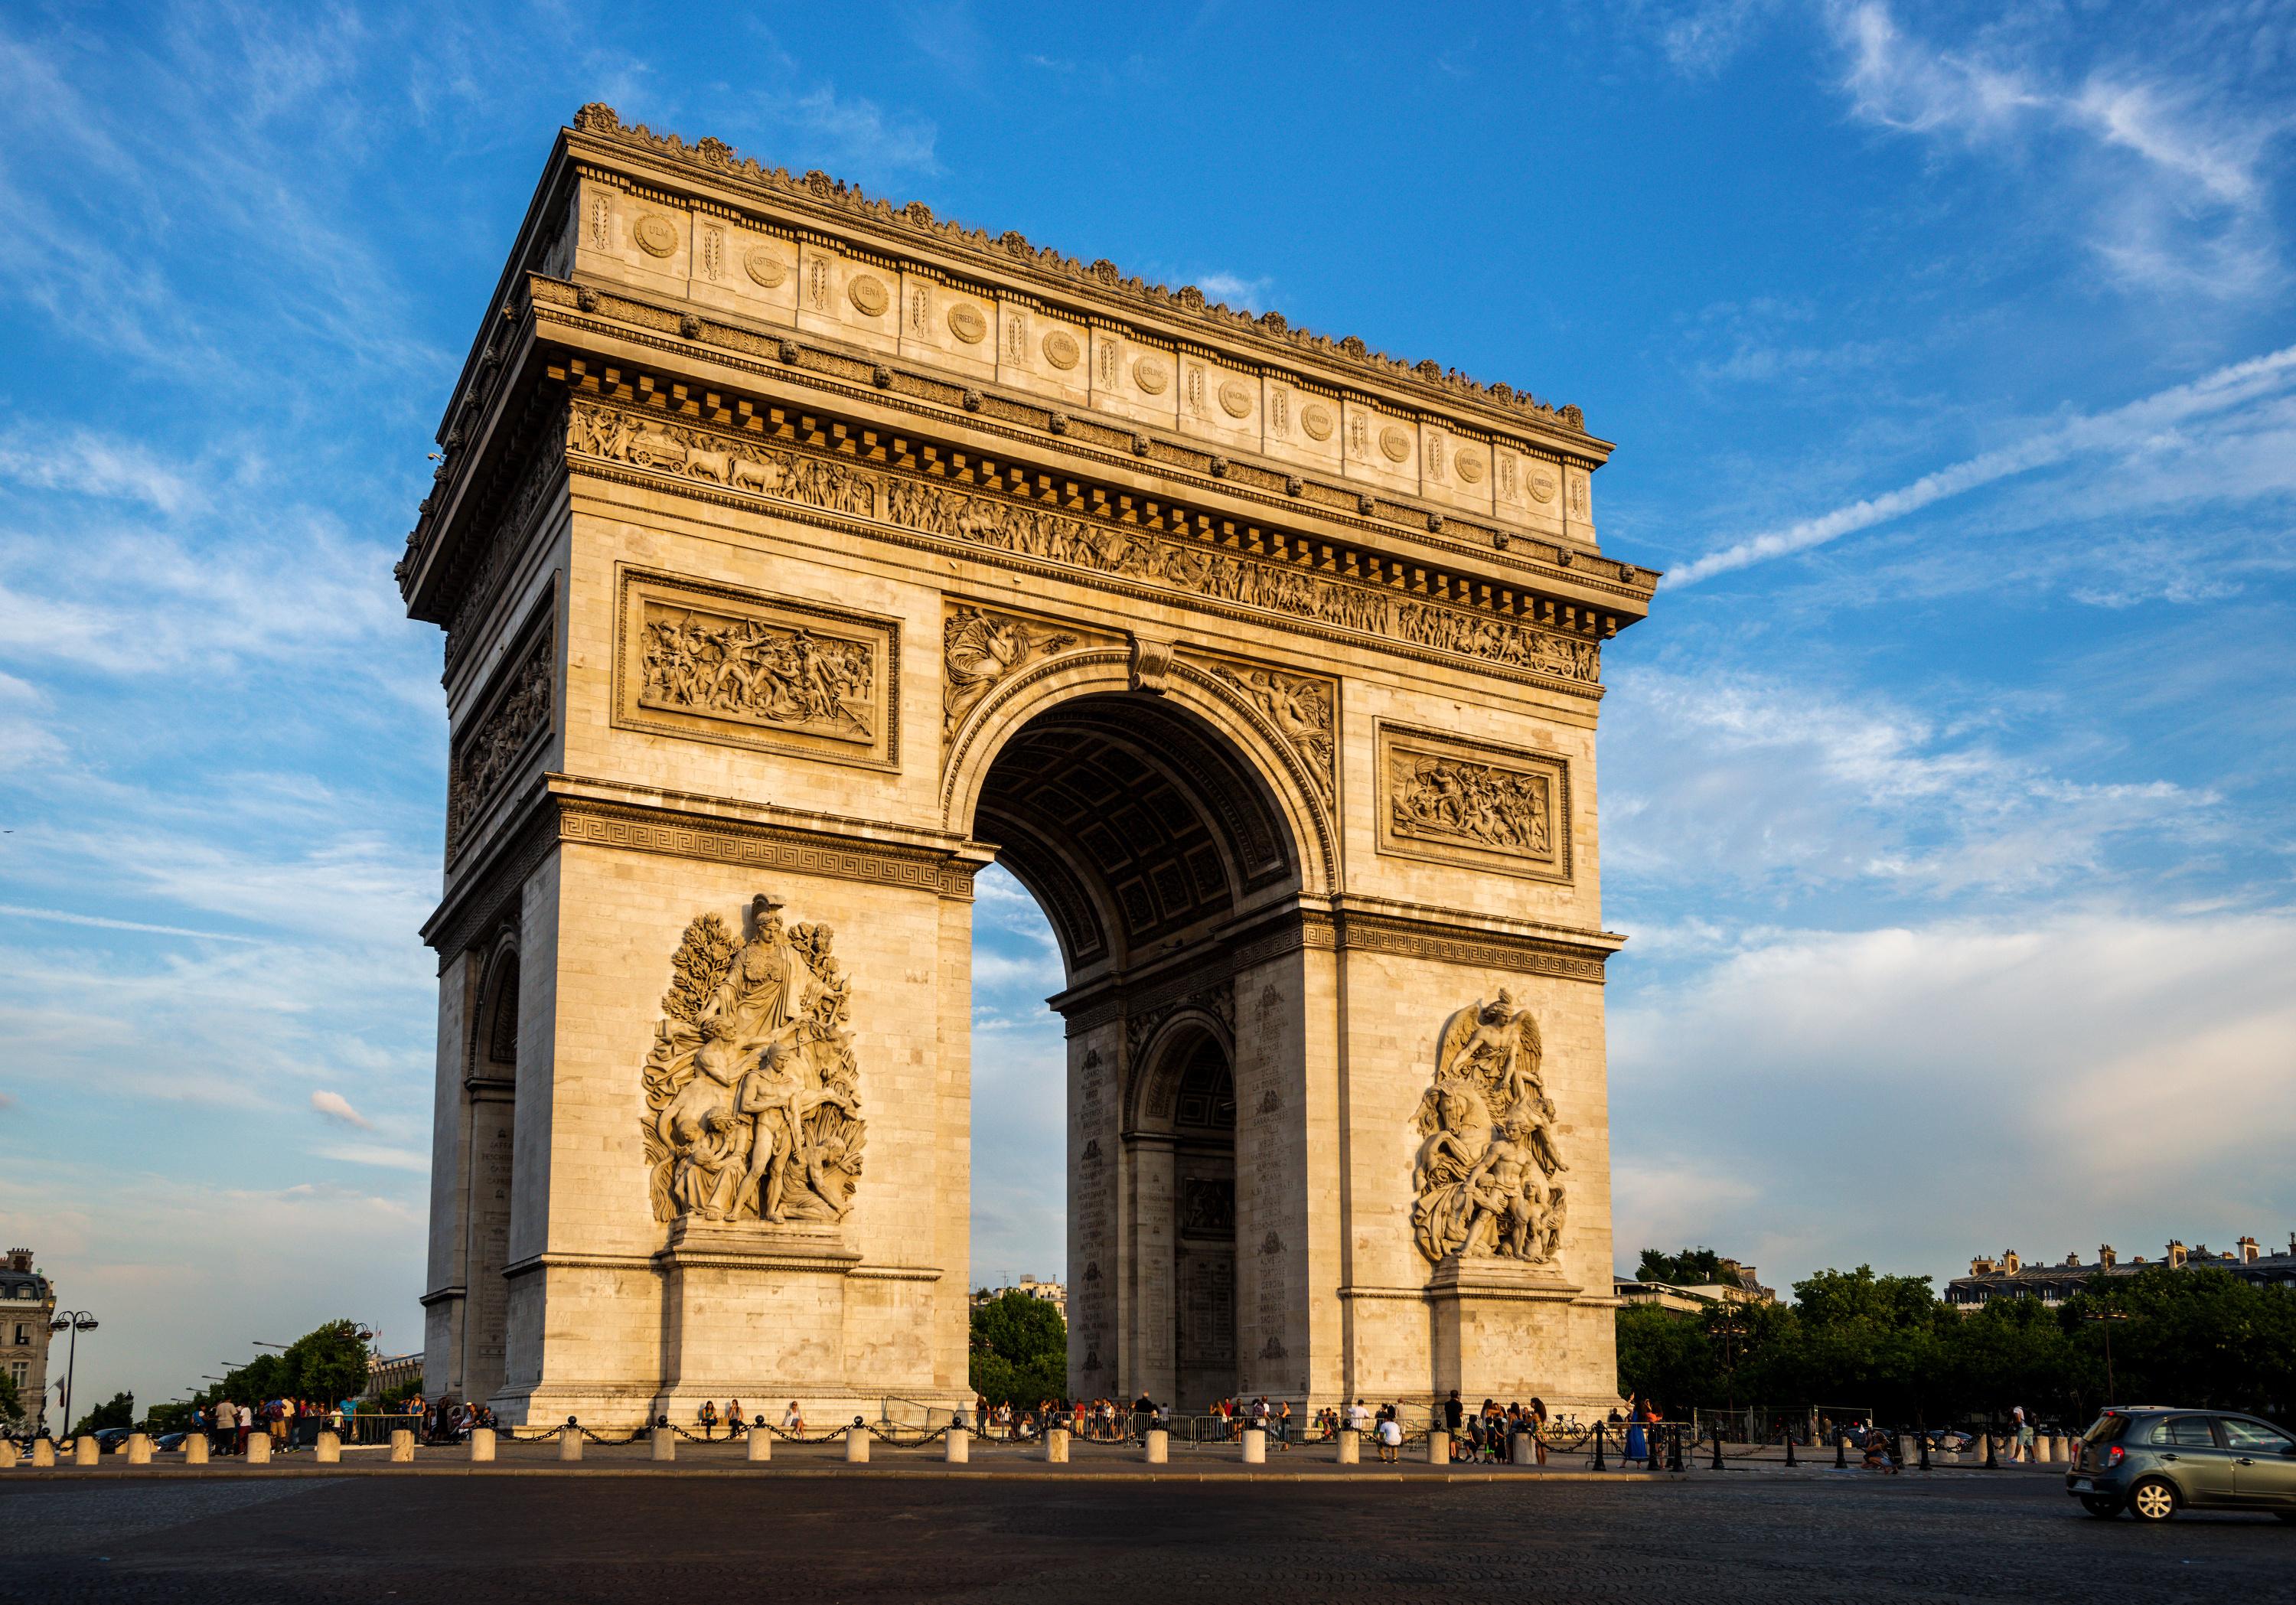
(1135, 825)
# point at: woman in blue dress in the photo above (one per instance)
(1638, 1439)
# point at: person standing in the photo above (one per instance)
(227, 1421)
(1538, 1427)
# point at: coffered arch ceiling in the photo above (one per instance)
(1135, 825)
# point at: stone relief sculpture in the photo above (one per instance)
(997, 523)
(485, 757)
(753, 1107)
(1299, 707)
(744, 668)
(1484, 1174)
(979, 650)
(1449, 799)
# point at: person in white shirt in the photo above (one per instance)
(1390, 1440)
(1358, 1417)
(792, 1420)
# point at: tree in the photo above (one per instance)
(329, 1365)
(119, 1410)
(1692, 1267)
(1662, 1355)
(1020, 1350)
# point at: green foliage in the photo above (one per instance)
(169, 1418)
(2197, 1337)
(327, 1366)
(1691, 1268)
(392, 1401)
(118, 1410)
(12, 1400)
(1020, 1351)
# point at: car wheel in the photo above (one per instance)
(2100, 1504)
(2153, 1499)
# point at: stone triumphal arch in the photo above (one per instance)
(798, 556)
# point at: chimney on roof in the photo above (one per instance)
(2074, 1258)
(1981, 1267)
(21, 1260)
(2176, 1254)
(2010, 1263)
(2248, 1250)
(2106, 1256)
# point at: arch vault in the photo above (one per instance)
(798, 556)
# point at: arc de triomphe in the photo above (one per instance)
(798, 556)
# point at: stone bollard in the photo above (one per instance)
(139, 1448)
(7, 1453)
(328, 1451)
(956, 1447)
(760, 1445)
(43, 1452)
(569, 1441)
(195, 1449)
(1522, 1451)
(482, 1443)
(663, 1443)
(1156, 1446)
(857, 1445)
(1350, 1446)
(402, 1446)
(1255, 1446)
(258, 1448)
(1438, 1446)
(87, 1450)
(1057, 1447)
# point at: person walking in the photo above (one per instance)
(1538, 1427)
(2025, 1447)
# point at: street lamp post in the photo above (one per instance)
(2108, 1319)
(75, 1321)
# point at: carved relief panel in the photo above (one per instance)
(1456, 801)
(718, 664)
(514, 715)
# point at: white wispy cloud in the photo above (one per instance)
(1985, 1066)
(335, 1107)
(2166, 171)
(2229, 389)
(65, 917)
(1737, 778)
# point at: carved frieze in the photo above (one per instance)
(514, 714)
(720, 664)
(1484, 1180)
(998, 522)
(753, 1107)
(1457, 801)
(1304, 709)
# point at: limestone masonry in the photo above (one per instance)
(800, 555)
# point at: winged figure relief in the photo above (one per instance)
(1484, 1172)
(979, 650)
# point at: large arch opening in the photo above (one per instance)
(489, 1092)
(1149, 837)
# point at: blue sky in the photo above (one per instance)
(1947, 797)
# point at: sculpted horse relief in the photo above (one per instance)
(1484, 1174)
(753, 1111)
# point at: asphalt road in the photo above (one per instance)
(668, 1538)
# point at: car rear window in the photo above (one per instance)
(2185, 1431)
(2105, 1430)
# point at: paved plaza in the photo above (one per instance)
(809, 1528)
